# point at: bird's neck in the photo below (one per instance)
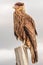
(19, 12)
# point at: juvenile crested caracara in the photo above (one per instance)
(25, 30)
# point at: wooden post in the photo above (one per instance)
(21, 55)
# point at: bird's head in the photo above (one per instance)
(19, 6)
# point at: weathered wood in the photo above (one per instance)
(21, 56)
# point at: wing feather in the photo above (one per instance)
(30, 19)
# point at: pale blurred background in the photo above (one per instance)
(7, 39)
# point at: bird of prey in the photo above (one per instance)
(25, 30)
